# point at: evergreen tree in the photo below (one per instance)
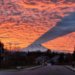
(61, 58)
(1, 52)
(73, 55)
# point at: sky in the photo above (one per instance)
(23, 22)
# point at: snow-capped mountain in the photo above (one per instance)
(34, 47)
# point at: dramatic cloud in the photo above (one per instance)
(24, 21)
(64, 27)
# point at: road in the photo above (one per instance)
(46, 70)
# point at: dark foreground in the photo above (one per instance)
(46, 70)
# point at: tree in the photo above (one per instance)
(1, 52)
(68, 57)
(52, 54)
(1, 47)
(73, 56)
(48, 52)
(61, 58)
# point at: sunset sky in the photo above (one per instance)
(23, 22)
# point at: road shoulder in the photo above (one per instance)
(31, 68)
(69, 67)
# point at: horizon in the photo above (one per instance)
(35, 49)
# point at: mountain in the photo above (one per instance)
(34, 47)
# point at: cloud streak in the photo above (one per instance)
(64, 27)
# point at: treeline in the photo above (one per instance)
(63, 57)
(15, 58)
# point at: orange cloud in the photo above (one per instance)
(23, 21)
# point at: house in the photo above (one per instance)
(42, 60)
(55, 59)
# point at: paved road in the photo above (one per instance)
(46, 70)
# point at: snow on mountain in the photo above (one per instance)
(34, 47)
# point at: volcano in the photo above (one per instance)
(34, 47)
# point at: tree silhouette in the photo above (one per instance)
(61, 58)
(48, 53)
(1, 47)
(1, 52)
(73, 56)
